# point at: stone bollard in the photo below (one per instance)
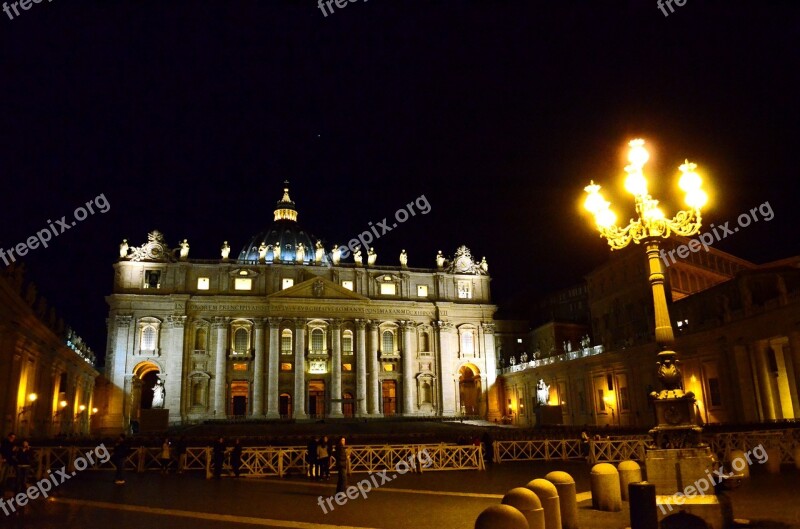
(738, 463)
(643, 505)
(629, 472)
(605, 488)
(526, 502)
(773, 462)
(565, 486)
(501, 517)
(796, 453)
(548, 495)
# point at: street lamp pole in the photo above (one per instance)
(675, 409)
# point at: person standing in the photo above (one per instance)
(342, 465)
(218, 457)
(180, 453)
(236, 457)
(311, 457)
(6, 458)
(165, 456)
(323, 459)
(119, 456)
(24, 462)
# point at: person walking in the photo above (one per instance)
(342, 465)
(165, 456)
(311, 457)
(323, 459)
(236, 457)
(118, 457)
(6, 458)
(218, 457)
(23, 462)
(180, 453)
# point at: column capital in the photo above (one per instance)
(336, 324)
(259, 322)
(407, 325)
(373, 324)
(488, 328)
(274, 323)
(124, 320)
(360, 324)
(175, 321)
(220, 321)
(299, 323)
(443, 326)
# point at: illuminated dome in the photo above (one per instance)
(285, 234)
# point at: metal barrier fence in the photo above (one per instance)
(277, 461)
(618, 449)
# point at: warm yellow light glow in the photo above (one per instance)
(32, 397)
(605, 218)
(690, 180)
(636, 184)
(696, 198)
(638, 155)
(594, 200)
(654, 214)
(81, 407)
(94, 410)
(63, 404)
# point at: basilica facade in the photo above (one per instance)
(289, 330)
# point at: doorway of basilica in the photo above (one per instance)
(389, 392)
(316, 398)
(469, 389)
(240, 391)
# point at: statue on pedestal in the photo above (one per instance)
(319, 252)
(276, 252)
(301, 252)
(184, 249)
(372, 257)
(439, 260)
(262, 252)
(357, 256)
(158, 395)
(123, 249)
(484, 265)
(542, 393)
(403, 259)
(336, 254)
(225, 251)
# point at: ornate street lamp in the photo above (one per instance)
(675, 410)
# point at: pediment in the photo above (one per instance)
(318, 288)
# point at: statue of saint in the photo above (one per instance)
(184, 249)
(524, 357)
(319, 252)
(542, 392)
(301, 252)
(513, 361)
(439, 260)
(123, 249)
(404, 259)
(357, 256)
(276, 252)
(371, 256)
(484, 265)
(336, 254)
(262, 252)
(158, 395)
(225, 251)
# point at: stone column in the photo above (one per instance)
(299, 401)
(444, 331)
(173, 375)
(409, 359)
(336, 369)
(491, 391)
(363, 392)
(374, 391)
(116, 420)
(765, 381)
(258, 369)
(273, 393)
(220, 325)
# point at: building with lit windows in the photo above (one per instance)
(47, 378)
(288, 330)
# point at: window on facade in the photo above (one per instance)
(241, 341)
(347, 367)
(152, 279)
(714, 392)
(200, 340)
(465, 289)
(347, 342)
(286, 342)
(601, 404)
(424, 342)
(388, 342)
(149, 335)
(422, 291)
(467, 343)
(287, 283)
(243, 283)
(202, 283)
(624, 402)
(348, 285)
(286, 366)
(388, 289)
(317, 341)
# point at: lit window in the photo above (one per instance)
(347, 342)
(317, 341)
(465, 289)
(239, 366)
(422, 291)
(241, 341)
(149, 335)
(388, 342)
(348, 285)
(519, 340)
(243, 283)
(202, 283)
(388, 289)
(286, 342)
(286, 366)
(347, 367)
(152, 279)
(242, 272)
(467, 343)
(388, 367)
(287, 283)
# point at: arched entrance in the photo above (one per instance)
(348, 408)
(285, 405)
(469, 389)
(143, 381)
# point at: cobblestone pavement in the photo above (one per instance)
(433, 500)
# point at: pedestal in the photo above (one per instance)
(153, 421)
(548, 415)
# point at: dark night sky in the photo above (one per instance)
(189, 115)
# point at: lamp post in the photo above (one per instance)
(32, 397)
(674, 409)
(62, 405)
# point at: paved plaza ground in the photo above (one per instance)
(433, 500)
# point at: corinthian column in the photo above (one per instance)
(361, 369)
(220, 377)
(409, 382)
(273, 406)
(299, 407)
(374, 371)
(444, 335)
(258, 369)
(174, 366)
(336, 369)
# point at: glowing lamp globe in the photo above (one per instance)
(638, 155)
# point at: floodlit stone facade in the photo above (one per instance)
(287, 330)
